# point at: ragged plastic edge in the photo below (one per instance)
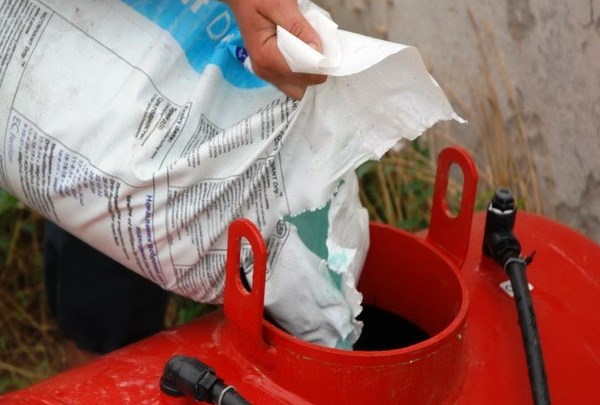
(347, 249)
(345, 243)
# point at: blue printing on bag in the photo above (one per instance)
(206, 31)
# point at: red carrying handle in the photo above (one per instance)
(243, 308)
(451, 234)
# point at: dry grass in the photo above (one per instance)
(398, 189)
(508, 155)
(31, 347)
(29, 341)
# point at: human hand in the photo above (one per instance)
(258, 21)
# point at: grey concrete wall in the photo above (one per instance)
(551, 52)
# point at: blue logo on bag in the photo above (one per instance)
(241, 54)
(206, 30)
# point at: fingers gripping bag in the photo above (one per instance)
(135, 126)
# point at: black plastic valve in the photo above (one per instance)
(499, 242)
(189, 376)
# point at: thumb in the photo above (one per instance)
(288, 16)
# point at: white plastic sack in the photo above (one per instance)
(135, 126)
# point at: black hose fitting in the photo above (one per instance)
(501, 245)
(188, 376)
(499, 242)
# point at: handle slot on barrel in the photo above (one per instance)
(450, 233)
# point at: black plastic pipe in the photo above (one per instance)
(501, 245)
(515, 268)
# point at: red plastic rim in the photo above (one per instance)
(279, 339)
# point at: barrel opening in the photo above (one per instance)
(411, 292)
(384, 330)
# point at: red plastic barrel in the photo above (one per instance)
(439, 282)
